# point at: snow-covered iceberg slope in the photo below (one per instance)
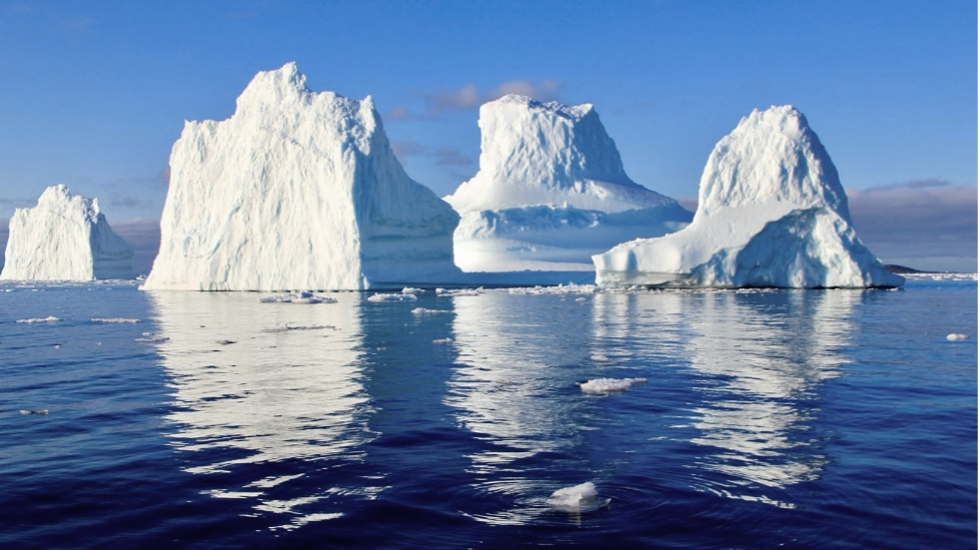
(65, 238)
(297, 191)
(551, 192)
(771, 213)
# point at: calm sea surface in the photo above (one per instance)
(800, 419)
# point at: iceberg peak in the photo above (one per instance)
(534, 153)
(772, 157)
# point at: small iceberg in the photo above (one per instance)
(954, 337)
(580, 498)
(610, 385)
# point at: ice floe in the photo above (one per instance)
(610, 385)
(579, 498)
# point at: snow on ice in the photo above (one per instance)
(65, 238)
(298, 190)
(551, 192)
(771, 213)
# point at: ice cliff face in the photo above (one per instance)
(297, 190)
(65, 238)
(771, 212)
(551, 191)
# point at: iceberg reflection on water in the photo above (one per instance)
(366, 403)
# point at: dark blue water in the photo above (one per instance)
(800, 419)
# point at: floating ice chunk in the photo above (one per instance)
(49, 319)
(460, 292)
(443, 341)
(610, 385)
(115, 320)
(152, 338)
(392, 298)
(283, 326)
(425, 311)
(599, 358)
(298, 298)
(580, 498)
(26, 411)
(954, 337)
(410, 290)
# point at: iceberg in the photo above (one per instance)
(551, 192)
(771, 213)
(65, 238)
(297, 190)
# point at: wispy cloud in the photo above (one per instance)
(444, 156)
(470, 97)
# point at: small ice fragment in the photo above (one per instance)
(297, 298)
(115, 320)
(610, 385)
(49, 319)
(580, 498)
(443, 341)
(410, 290)
(425, 311)
(954, 337)
(40, 411)
(392, 298)
(600, 358)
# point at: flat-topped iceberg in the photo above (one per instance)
(771, 213)
(65, 238)
(297, 191)
(551, 192)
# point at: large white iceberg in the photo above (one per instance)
(771, 213)
(65, 238)
(297, 191)
(551, 192)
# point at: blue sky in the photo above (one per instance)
(94, 94)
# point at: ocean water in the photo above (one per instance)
(799, 419)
